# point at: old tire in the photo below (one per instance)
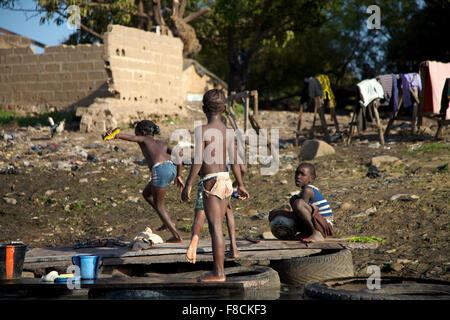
(250, 282)
(392, 288)
(254, 277)
(327, 264)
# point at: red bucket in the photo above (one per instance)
(12, 256)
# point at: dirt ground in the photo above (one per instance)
(75, 187)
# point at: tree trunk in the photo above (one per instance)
(238, 62)
(141, 19)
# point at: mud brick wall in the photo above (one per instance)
(63, 76)
(144, 66)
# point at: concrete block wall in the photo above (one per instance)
(61, 77)
(144, 66)
(13, 41)
(133, 75)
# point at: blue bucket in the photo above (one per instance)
(88, 265)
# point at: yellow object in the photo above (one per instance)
(326, 87)
(112, 135)
(66, 275)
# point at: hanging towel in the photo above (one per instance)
(394, 92)
(370, 90)
(386, 82)
(434, 83)
(445, 97)
(311, 89)
(414, 81)
(326, 87)
(407, 101)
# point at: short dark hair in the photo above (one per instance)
(310, 166)
(146, 127)
(214, 101)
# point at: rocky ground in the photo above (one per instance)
(74, 187)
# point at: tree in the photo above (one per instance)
(95, 16)
(243, 29)
(422, 38)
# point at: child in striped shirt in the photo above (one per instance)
(311, 211)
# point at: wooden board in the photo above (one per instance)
(175, 252)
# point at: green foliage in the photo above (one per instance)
(271, 46)
(238, 109)
(8, 117)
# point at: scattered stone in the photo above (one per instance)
(133, 199)
(404, 261)
(63, 165)
(92, 157)
(373, 172)
(379, 160)
(268, 235)
(10, 200)
(83, 180)
(284, 181)
(369, 212)
(312, 149)
(396, 266)
(27, 274)
(375, 145)
(346, 206)
(48, 193)
(260, 216)
(404, 197)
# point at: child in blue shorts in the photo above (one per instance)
(158, 156)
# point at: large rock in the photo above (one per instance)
(312, 149)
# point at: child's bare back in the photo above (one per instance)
(154, 151)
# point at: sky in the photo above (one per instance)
(27, 24)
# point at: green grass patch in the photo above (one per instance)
(9, 117)
(365, 239)
(429, 147)
(170, 120)
(238, 109)
(79, 204)
(6, 117)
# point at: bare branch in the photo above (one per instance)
(157, 13)
(182, 8)
(195, 15)
(175, 7)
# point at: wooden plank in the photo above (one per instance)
(270, 249)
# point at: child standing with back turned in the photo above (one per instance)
(212, 142)
(158, 156)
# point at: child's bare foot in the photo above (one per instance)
(174, 240)
(211, 277)
(191, 253)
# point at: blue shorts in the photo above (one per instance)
(163, 173)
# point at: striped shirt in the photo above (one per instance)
(322, 204)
